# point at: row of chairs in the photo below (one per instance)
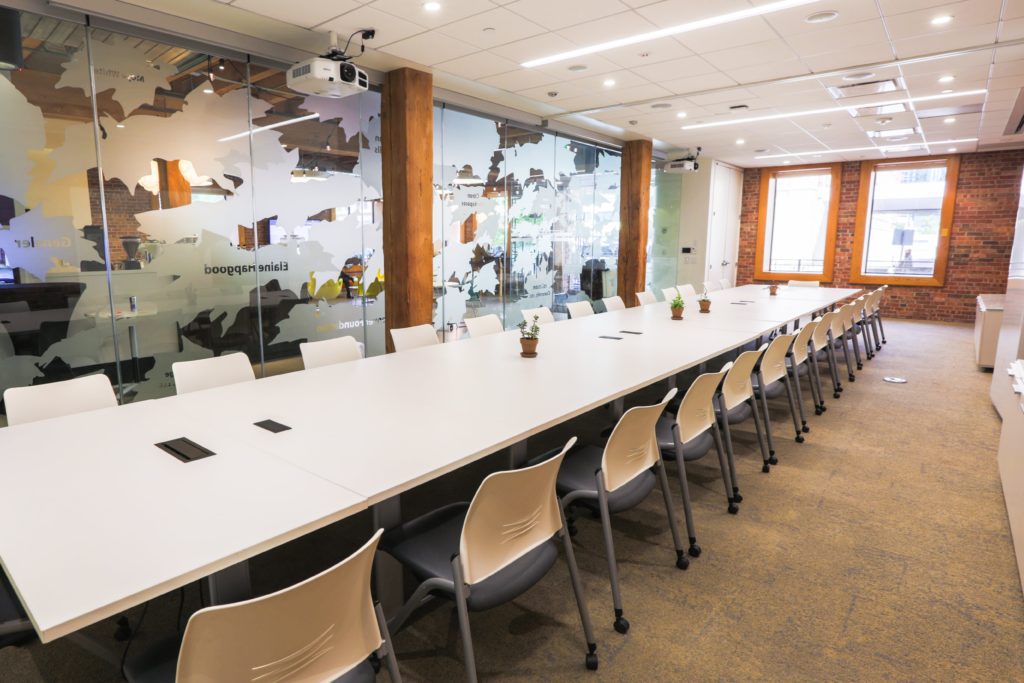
(491, 550)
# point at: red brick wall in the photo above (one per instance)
(984, 214)
(121, 209)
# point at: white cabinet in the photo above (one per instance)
(987, 320)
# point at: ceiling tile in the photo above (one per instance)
(950, 40)
(653, 52)
(748, 55)
(676, 12)
(965, 14)
(306, 14)
(690, 84)
(412, 10)
(520, 79)
(584, 86)
(792, 22)
(535, 47)
(612, 27)
(496, 27)
(673, 69)
(826, 38)
(426, 49)
(603, 99)
(735, 34)
(768, 71)
(851, 57)
(556, 15)
(389, 28)
(478, 65)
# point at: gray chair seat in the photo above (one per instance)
(577, 474)
(15, 627)
(427, 544)
(801, 369)
(695, 448)
(772, 390)
(737, 414)
(159, 664)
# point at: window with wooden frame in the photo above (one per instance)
(797, 217)
(904, 218)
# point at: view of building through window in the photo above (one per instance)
(902, 235)
(796, 227)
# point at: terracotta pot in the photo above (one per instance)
(705, 305)
(773, 289)
(677, 314)
(529, 347)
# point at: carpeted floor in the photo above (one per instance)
(877, 550)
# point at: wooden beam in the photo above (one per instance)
(407, 146)
(634, 205)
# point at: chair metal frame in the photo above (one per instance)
(771, 368)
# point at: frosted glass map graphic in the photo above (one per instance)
(199, 286)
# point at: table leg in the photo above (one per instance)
(517, 453)
(387, 571)
(618, 408)
(232, 584)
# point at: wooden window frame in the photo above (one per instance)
(867, 169)
(767, 175)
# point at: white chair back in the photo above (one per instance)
(406, 338)
(613, 303)
(645, 298)
(670, 293)
(687, 291)
(804, 283)
(710, 286)
(725, 283)
(207, 373)
(773, 362)
(544, 315)
(697, 411)
(483, 325)
(737, 387)
(330, 351)
(579, 309)
(633, 444)
(803, 338)
(56, 399)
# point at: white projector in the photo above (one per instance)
(327, 78)
(680, 166)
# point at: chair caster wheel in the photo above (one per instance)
(823, 408)
(853, 378)
(773, 460)
(771, 452)
(736, 497)
(733, 508)
(835, 395)
(591, 661)
(819, 410)
(805, 429)
(799, 438)
(123, 631)
(682, 562)
(765, 468)
(621, 625)
(860, 366)
(694, 550)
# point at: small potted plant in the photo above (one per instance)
(773, 288)
(529, 337)
(704, 302)
(677, 306)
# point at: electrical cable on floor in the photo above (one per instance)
(131, 638)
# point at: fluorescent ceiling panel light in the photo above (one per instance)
(268, 127)
(670, 31)
(873, 148)
(830, 110)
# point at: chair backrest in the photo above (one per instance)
(687, 290)
(773, 362)
(837, 322)
(405, 338)
(56, 399)
(613, 303)
(543, 314)
(725, 283)
(710, 286)
(644, 298)
(804, 283)
(819, 339)
(875, 299)
(578, 309)
(633, 444)
(483, 325)
(330, 351)
(670, 293)
(207, 373)
(697, 411)
(513, 512)
(737, 387)
(803, 338)
(848, 314)
(319, 628)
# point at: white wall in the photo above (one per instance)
(694, 214)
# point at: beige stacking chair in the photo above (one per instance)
(578, 309)
(840, 325)
(619, 477)
(544, 314)
(725, 283)
(490, 551)
(418, 336)
(874, 316)
(613, 303)
(645, 298)
(863, 327)
(798, 366)
(823, 350)
(323, 629)
(804, 283)
(689, 435)
(670, 293)
(687, 291)
(771, 381)
(710, 286)
(736, 405)
(484, 325)
(57, 399)
(330, 352)
(207, 373)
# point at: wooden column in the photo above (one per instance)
(407, 146)
(634, 203)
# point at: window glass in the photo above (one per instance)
(903, 220)
(797, 222)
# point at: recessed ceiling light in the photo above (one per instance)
(681, 115)
(951, 149)
(942, 20)
(578, 67)
(947, 79)
(859, 76)
(741, 141)
(661, 105)
(822, 17)
(609, 82)
(432, 6)
(787, 162)
(208, 91)
(649, 36)
(828, 110)
(120, 125)
(947, 91)
(949, 119)
(879, 148)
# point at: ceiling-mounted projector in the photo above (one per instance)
(330, 75)
(685, 164)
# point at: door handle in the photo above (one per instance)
(725, 263)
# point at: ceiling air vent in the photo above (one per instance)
(870, 88)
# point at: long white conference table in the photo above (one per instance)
(97, 519)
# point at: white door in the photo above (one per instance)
(724, 223)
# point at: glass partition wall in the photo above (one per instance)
(522, 218)
(231, 215)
